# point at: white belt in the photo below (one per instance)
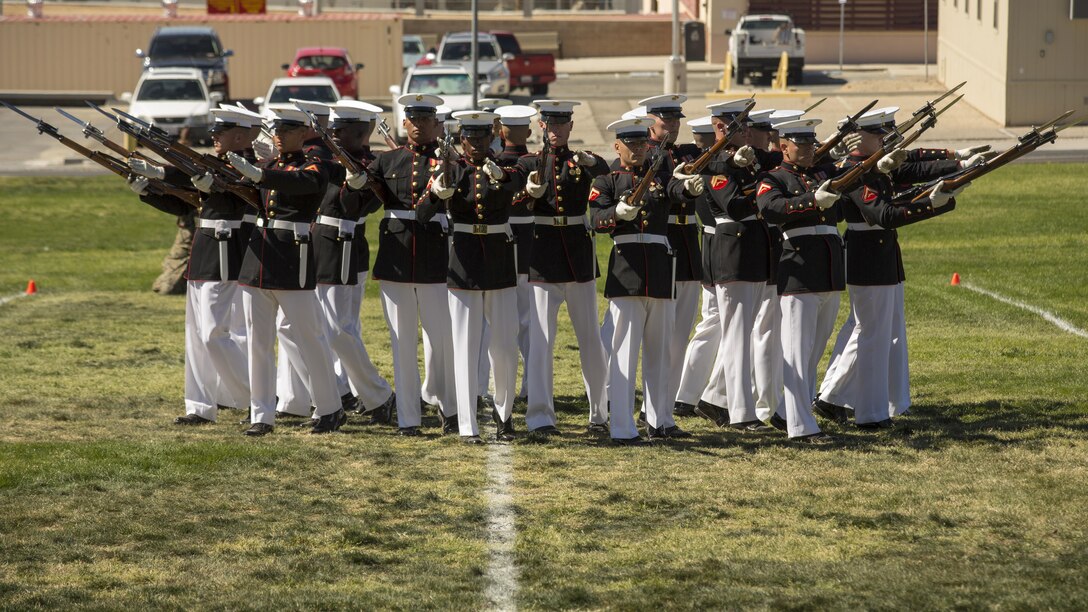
(249, 218)
(710, 229)
(521, 220)
(481, 229)
(346, 226)
(300, 228)
(862, 227)
(560, 220)
(681, 219)
(218, 224)
(814, 230)
(642, 239)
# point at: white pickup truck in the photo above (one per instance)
(757, 43)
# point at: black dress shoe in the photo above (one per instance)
(192, 419)
(547, 430)
(330, 422)
(472, 439)
(829, 411)
(409, 431)
(748, 425)
(778, 422)
(717, 414)
(683, 409)
(758, 426)
(674, 431)
(885, 424)
(349, 403)
(636, 441)
(383, 415)
(597, 428)
(290, 415)
(449, 423)
(504, 430)
(818, 438)
(259, 429)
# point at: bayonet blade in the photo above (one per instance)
(821, 101)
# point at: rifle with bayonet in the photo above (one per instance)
(850, 125)
(383, 129)
(350, 163)
(735, 126)
(894, 140)
(636, 196)
(814, 105)
(114, 165)
(1037, 137)
(189, 162)
(90, 131)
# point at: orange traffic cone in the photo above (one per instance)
(955, 278)
(31, 287)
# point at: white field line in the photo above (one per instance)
(502, 571)
(1061, 323)
(10, 298)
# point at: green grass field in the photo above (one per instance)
(977, 501)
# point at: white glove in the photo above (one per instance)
(532, 187)
(963, 154)
(139, 184)
(264, 149)
(825, 197)
(247, 169)
(356, 181)
(439, 189)
(625, 211)
(695, 185)
(891, 161)
(493, 170)
(847, 144)
(147, 169)
(745, 156)
(203, 182)
(977, 158)
(939, 198)
(584, 159)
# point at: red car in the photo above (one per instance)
(332, 62)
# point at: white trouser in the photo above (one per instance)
(306, 345)
(581, 299)
(483, 374)
(608, 329)
(238, 328)
(807, 322)
(701, 356)
(646, 323)
(292, 391)
(216, 369)
(767, 354)
(738, 302)
(337, 302)
(406, 307)
(898, 366)
(858, 378)
(525, 303)
(470, 311)
(687, 305)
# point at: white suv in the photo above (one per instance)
(175, 100)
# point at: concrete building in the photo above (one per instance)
(1023, 60)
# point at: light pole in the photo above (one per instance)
(842, 25)
(675, 71)
(475, 54)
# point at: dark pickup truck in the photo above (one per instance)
(533, 71)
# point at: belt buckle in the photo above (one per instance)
(479, 228)
(681, 219)
(559, 221)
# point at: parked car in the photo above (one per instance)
(456, 49)
(413, 50)
(533, 71)
(452, 83)
(757, 43)
(190, 47)
(332, 62)
(175, 100)
(283, 90)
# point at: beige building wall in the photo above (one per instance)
(1028, 69)
(97, 53)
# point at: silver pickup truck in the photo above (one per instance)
(757, 43)
(456, 50)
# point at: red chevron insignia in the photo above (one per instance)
(719, 182)
(763, 188)
(594, 194)
(868, 195)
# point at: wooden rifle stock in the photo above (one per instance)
(735, 125)
(352, 165)
(850, 125)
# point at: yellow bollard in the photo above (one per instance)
(782, 76)
(727, 73)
